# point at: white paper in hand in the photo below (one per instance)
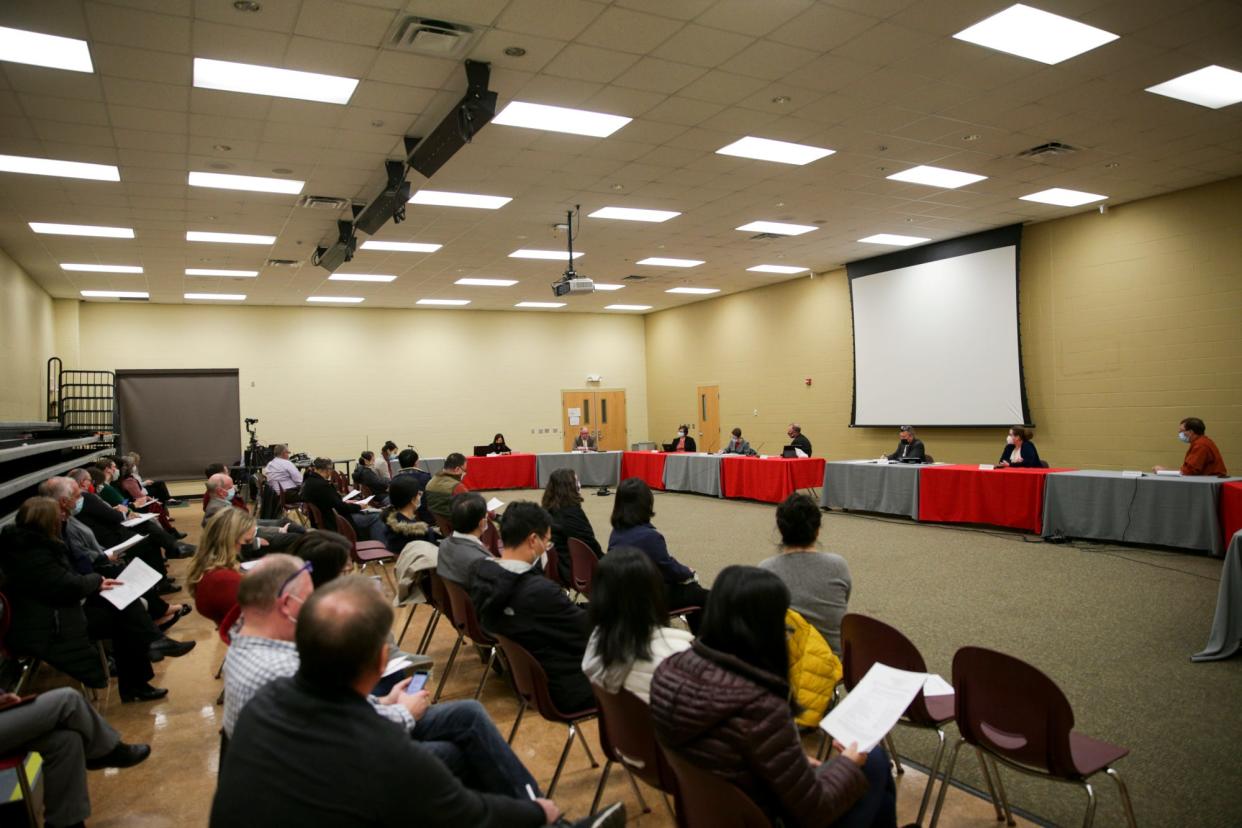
(113, 551)
(365, 500)
(936, 686)
(352, 494)
(871, 710)
(494, 504)
(397, 664)
(135, 579)
(134, 521)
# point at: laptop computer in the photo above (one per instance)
(670, 446)
(789, 451)
(483, 451)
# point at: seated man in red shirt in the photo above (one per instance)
(1203, 457)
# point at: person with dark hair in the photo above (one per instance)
(388, 453)
(499, 446)
(366, 475)
(515, 599)
(630, 635)
(563, 499)
(138, 498)
(632, 511)
(1203, 458)
(400, 519)
(326, 552)
(724, 705)
(157, 489)
(446, 483)
(1019, 450)
(797, 439)
(352, 764)
(683, 441)
(408, 460)
(317, 490)
(458, 552)
(909, 447)
(737, 445)
(110, 492)
(215, 468)
(819, 582)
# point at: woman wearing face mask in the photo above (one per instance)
(563, 500)
(215, 572)
(138, 498)
(366, 475)
(400, 519)
(499, 446)
(683, 441)
(157, 489)
(1020, 452)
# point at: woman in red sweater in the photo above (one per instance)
(215, 574)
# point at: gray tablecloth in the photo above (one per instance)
(594, 468)
(692, 473)
(1157, 510)
(431, 464)
(891, 489)
(1227, 626)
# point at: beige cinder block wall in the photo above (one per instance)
(27, 338)
(332, 381)
(1131, 320)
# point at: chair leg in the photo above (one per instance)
(931, 777)
(892, 753)
(447, 667)
(517, 721)
(1000, 789)
(944, 785)
(388, 577)
(821, 753)
(27, 794)
(1089, 818)
(408, 619)
(585, 746)
(220, 671)
(487, 671)
(425, 641)
(642, 803)
(560, 765)
(599, 789)
(987, 778)
(1125, 797)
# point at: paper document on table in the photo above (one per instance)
(134, 521)
(352, 494)
(135, 579)
(873, 707)
(936, 686)
(397, 664)
(800, 453)
(1169, 473)
(113, 551)
(494, 504)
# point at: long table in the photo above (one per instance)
(1223, 640)
(998, 497)
(501, 471)
(868, 486)
(769, 479)
(1230, 509)
(699, 473)
(594, 468)
(648, 465)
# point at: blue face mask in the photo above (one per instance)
(231, 493)
(77, 507)
(1183, 436)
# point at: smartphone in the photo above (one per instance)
(417, 681)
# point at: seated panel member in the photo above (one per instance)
(737, 445)
(498, 445)
(1020, 451)
(1203, 458)
(584, 440)
(684, 442)
(798, 440)
(908, 446)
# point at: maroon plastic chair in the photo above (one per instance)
(1019, 716)
(366, 553)
(462, 615)
(704, 800)
(316, 517)
(583, 564)
(438, 602)
(491, 539)
(531, 683)
(553, 569)
(627, 735)
(27, 664)
(443, 526)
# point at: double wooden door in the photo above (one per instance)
(603, 412)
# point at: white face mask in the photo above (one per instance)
(681, 434)
(1183, 436)
(231, 493)
(1009, 439)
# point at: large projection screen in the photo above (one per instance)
(936, 334)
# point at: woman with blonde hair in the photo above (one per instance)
(215, 573)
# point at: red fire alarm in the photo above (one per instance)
(808, 381)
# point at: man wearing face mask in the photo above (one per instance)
(1203, 458)
(909, 447)
(277, 533)
(515, 599)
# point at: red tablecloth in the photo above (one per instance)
(503, 471)
(998, 497)
(1230, 510)
(649, 465)
(770, 479)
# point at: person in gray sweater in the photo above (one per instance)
(460, 550)
(819, 582)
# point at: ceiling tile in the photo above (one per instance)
(558, 19)
(130, 27)
(273, 15)
(755, 19)
(629, 31)
(589, 64)
(347, 22)
(703, 46)
(658, 75)
(768, 59)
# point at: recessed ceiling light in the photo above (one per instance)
(98, 268)
(487, 282)
(228, 238)
(246, 5)
(252, 183)
(606, 286)
(453, 302)
(217, 297)
(782, 152)
(61, 169)
(781, 99)
(515, 51)
(1062, 197)
(361, 277)
(38, 49)
(660, 261)
(628, 307)
(777, 227)
(213, 271)
(539, 305)
(560, 119)
(441, 198)
(222, 147)
(1212, 86)
(82, 230)
(1039, 35)
(268, 80)
(551, 255)
(633, 214)
(693, 290)
(115, 294)
(936, 177)
(401, 247)
(894, 239)
(766, 268)
(350, 300)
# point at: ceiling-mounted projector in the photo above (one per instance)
(571, 283)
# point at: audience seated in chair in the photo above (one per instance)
(460, 550)
(215, 571)
(140, 500)
(282, 475)
(446, 483)
(277, 533)
(105, 517)
(154, 488)
(408, 460)
(400, 522)
(563, 499)
(365, 474)
(317, 490)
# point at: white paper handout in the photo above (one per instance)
(397, 664)
(113, 551)
(494, 504)
(352, 494)
(936, 686)
(134, 521)
(873, 707)
(365, 500)
(135, 579)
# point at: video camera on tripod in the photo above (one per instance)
(256, 456)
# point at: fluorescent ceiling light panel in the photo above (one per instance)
(59, 169)
(560, 119)
(116, 294)
(217, 297)
(779, 228)
(693, 290)
(227, 238)
(352, 300)
(539, 305)
(936, 177)
(1212, 86)
(268, 80)
(894, 239)
(1038, 35)
(627, 307)
(550, 255)
(786, 269)
(252, 183)
(97, 268)
(487, 282)
(401, 247)
(782, 152)
(659, 261)
(361, 277)
(1063, 198)
(442, 198)
(633, 214)
(606, 286)
(214, 271)
(38, 49)
(445, 302)
(82, 230)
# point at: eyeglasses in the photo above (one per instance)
(307, 567)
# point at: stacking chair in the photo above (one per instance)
(316, 516)
(626, 735)
(437, 600)
(707, 801)
(1018, 716)
(16, 762)
(491, 539)
(553, 569)
(583, 565)
(341, 482)
(26, 664)
(531, 683)
(367, 553)
(463, 617)
(443, 526)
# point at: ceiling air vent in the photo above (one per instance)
(288, 264)
(1048, 150)
(316, 202)
(432, 37)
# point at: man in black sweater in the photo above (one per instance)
(310, 750)
(798, 440)
(909, 447)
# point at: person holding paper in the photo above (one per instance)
(317, 489)
(909, 447)
(1203, 458)
(724, 705)
(366, 475)
(140, 501)
(563, 500)
(1019, 450)
(737, 445)
(277, 533)
(157, 489)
